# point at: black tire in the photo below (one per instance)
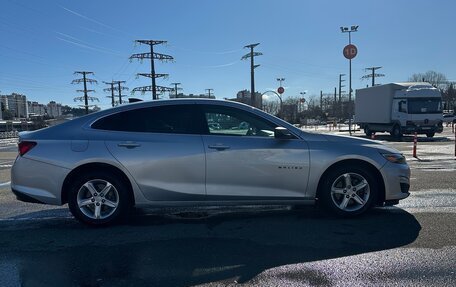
(430, 135)
(333, 200)
(396, 132)
(83, 202)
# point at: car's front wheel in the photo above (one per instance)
(349, 191)
(99, 199)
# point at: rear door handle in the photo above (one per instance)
(129, 145)
(218, 147)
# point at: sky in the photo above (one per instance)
(44, 42)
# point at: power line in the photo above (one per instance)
(152, 56)
(86, 97)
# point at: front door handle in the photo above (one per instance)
(218, 147)
(129, 145)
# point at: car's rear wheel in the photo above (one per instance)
(430, 135)
(349, 191)
(99, 199)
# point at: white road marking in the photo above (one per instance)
(3, 184)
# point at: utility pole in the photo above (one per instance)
(373, 74)
(252, 55)
(152, 56)
(209, 92)
(340, 93)
(176, 89)
(340, 87)
(111, 89)
(335, 102)
(321, 100)
(86, 98)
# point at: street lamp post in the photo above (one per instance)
(349, 31)
(277, 94)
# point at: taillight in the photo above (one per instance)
(25, 147)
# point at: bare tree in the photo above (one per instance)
(449, 97)
(434, 78)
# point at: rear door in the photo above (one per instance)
(161, 147)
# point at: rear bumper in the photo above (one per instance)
(38, 182)
(25, 198)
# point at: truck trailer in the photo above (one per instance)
(399, 108)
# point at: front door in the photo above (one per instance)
(244, 161)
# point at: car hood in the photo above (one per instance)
(361, 142)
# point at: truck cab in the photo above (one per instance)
(418, 109)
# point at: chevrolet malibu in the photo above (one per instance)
(168, 153)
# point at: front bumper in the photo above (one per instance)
(397, 181)
(423, 129)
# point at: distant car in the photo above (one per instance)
(168, 153)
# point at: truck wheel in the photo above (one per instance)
(430, 135)
(396, 132)
(367, 131)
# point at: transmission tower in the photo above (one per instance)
(86, 98)
(112, 89)
(373, 74)
(209, 92)
(119, 89)
(176, 89)
(252, 55)
(152, 56)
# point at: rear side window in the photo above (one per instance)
(182, 119)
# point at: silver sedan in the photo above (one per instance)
(200, 152)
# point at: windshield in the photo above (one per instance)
(425, 106)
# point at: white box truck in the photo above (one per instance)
(399, 108)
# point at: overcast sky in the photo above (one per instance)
(44, 42)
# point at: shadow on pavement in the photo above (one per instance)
(189, 248)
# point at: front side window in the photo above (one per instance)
(179, 119)
(234, 122)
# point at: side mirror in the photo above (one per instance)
(283, 134)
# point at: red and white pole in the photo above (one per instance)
(415, 139)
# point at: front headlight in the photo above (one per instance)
(394, 157)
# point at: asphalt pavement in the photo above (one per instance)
(411, 244)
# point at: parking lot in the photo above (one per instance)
(411, 244)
